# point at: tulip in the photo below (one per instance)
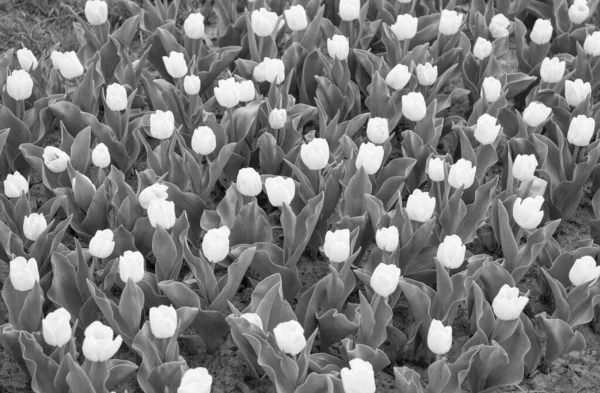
(23, 273)
(385, 278)
(507, 304)
(482, 49)
(162, 124)
(56, 328)
(246, 91)
(149, 194)
(34, 225)
(536, 113)
(116, 97)
(175, 64)
(398, 77)
(426, 74)
(369, 157)
(541, 32)
(204, 140)
(337, 245)
(270, 70)
(290, 337)
(378, 130)
(102, 244)
(19, 85)
(227, 94)
(581, 130)
(191, 85)
(523, 168)
(96, 12)
(420, 206)
(405, 27)
(277, 118)
(249, 182)
(387, 238)
(163, 321)
(499, 26)
(591, 45)
(338, 47)
(439, 337)
(280, 190)
(253, 319)
(450, 22)
(349, 10)
(583, 271)
(359, 378)
(162, 212)
(196, 380)
(263, 22)
(451, 252)
(15, 185)
(315, 154)
(131, 266)
(491, 89)
(98, 343)
(413, 106)
(215, 244)
(296, 18)
(528, 212)
(68, 64)
(538, 187)
(577, 91)
(462, 174)
(486, 130)
(193, 27)
(101, 156)
(435, 169)
(552, 70)
(579, 11)
(27, 59)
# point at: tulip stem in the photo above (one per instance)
(351, 33)
(438, 357)
(261, 43)
(20, 109)
(576, 154)
(231, 125)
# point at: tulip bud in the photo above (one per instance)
(196, 380)
(23, 273)
(482, 49)
(34, 225)
(253, 319)
(378, 130)
(263, 22)
(204, 140)
(101, 156)
(175, 64)
(385, 278)
(19, 85)
(579, 11)
(277, 118)
(577, 91)
(102, 244)
(191, 85)
(15, 185)
(538, 187)
(193, 27)
(591, 45)
(163, 321)
(280, 190)
(116, 97)
(552, 70)
(523, 168)
(68, 64)
(27, 59)
(581, 130)
(499, 26)
(491, 89)
(296, 18)
(337, 245)
(215, 244)
(536, 113)
(435, 169)
(462, 174)
(398, 77)
(486, 130)
(56, 328)
(420, 206)
(98, 344)
(405, 27)
(450, 22)
(369, 157)
(246, 90)
(413, 106)
(96, 12)
(162, 124)
(584, 270)
(227, 94)
(387, 238)
(315, 154)
(349, 10)
(248, 182)
(507, 304)
(359, 378)
(131, 266)
(162, 212)
(528, 212)
(338, 47)
(290, 337)
(541, 32)
(427, 74)
(451, 252)
(149, 194)
(439, 337)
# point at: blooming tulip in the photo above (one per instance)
(435, 169)
(175, 64)
(19, 85)
(385, 278)
(378, 130)
(269, 70)
(482, 48)
(248, 182)
(131, 266)
(193, 27)
(528, 212)
(162, 124)
(15, 185)
(204, 140)
(552, 70)
(227, 94)
(486, 130)
(191, 85)
(413, 106)
(162, 212)
(439, 337)
(523, 169)
(27, 59)
(68, 64)
(451, 252)
(499, 26)
(579, 11)
(296, 18)
(196, 380)
(337, 245)
(215, 244)
(349, 10)
(98, 344)
(369, 157)
(398, 77)
(491, 89)
(359, 378)
(101, 156)
(116, 97)
(23, 273)
(34, 225)
(577, 91)
(541, 32)
(387, 238)
(591, 45)
(338, 47)
(102, 244)
(584, 270)
(246, 91)
(420, 206)
(163, 321)
(290, 337)
(56, 328)
(263, 22)
(280, 190)
(96, 12)
(405, 27)
(507, 304)
(581, 130)
(253, 319)
(450, 22)
(536, 113)
(277, 118)
(427, 74)
(149, 194)
(315, 154)
(462, 174)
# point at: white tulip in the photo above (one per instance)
(215, 244)
(385, 279)
(507, 304)
(337, 245)
(420, 206)
(98, 343)
(370, 157)
(23, 273)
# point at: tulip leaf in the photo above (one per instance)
(334, 327)
(42, 368)
(560, 338)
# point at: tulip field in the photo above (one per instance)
(299, 196)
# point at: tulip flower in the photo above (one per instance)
(19, 85)
(377, 130)
(435, 169)
(101, 156)
(581, 130)
(215, 244)
(193, 27)
(269, 70)
(420, 206)
(277, 118)
(98, 343)
(315, 154)
(462, 174)
(196, 380)
(15, 185)
(96, 12)
(523, 168)
(507, 304)
(295, 18)
(102, 244)
(482, 48)
(385, 279)
(398, 77)
(451, 252)
(486, 130)
(175, 64)
(591, 45)
(427, 74)
(528, 212)
(116, 97)
(163, 321)
(34, 225)
(359, 378)
(552, 70)
(536, 113)
(584, 270)
(246, 90)
(450, 22)
(577, 91)
(349, 10)
(280, 190)
(191, 85)
(263, 22)
(369, 157)
(68, 64)
(290, 337)
(387, 238)
(579, 11)
(204, 140)
(541, 32)
(162, 212)
(253, 319)
(499, 26)
(337, 245)
(56, 328)
(227, 94)
(338, 47)
(405, 27)
(27, 59)
(491, 88)
(439, 337)
(131, 266)
(149, 194)
(162, 124)
(249, 182)
(413, 106)
(23, 273)
(538, 187)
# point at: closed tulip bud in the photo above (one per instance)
(102, 244)
(584, 270)
(277, 118)
(191, 85)
(204, 140)
(369, 157)
(193, 27)
(246, 91)
(491, 88)
(536, 113)
(482, 49)
(227, 94)
(215, 244)
(290, 337)
(435, 169)
(462, 174)
(162, 212)
(541, 32)
(163, 321)
(27, 59)
(349, 10)
(507, 304)
(15, 185)
(263, 22)
(523, 168)
(398, 77)
(387, 238)
(450, 22)
(56, 328)
(405, 27)
(196, 380)
(19, 85)
(175, 64)
(451, 252)
(23, 273)
(413, 106)
(280, 190)
(378, 130)
(315, 154)
(538, 187)
(338, 47)
(439, 337)
(337, 245)
(296, 18)
(162, 124)
(253, 319)
(486, 130)
(577, 91)
(528, 213)
(499, 26)
(581, 130)
(579, 11)
(420, 206)
(359, 378)
(385, 278)
(98, 343)
(34, 225)
(68, 64)
(96, 12)
(101, 156)
(116, 97)
(149, 194)
(131, 266)
(591, 45)
(552, 70)
(427, 74)
(248, 182)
